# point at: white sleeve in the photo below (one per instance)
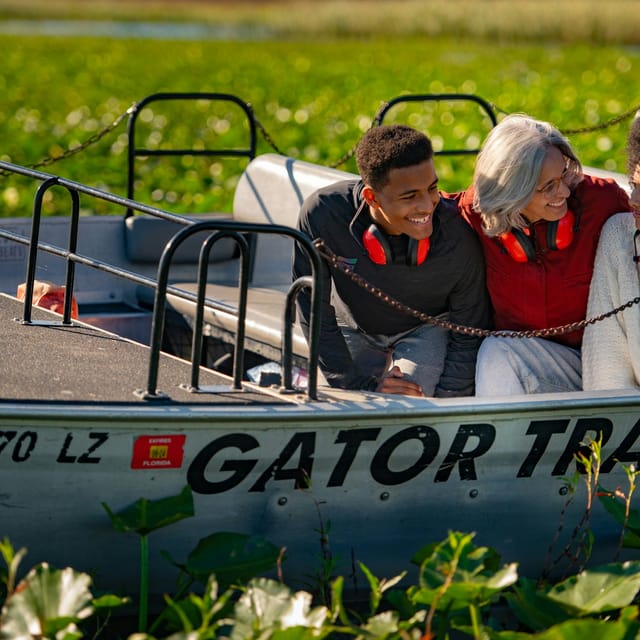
(611, 346)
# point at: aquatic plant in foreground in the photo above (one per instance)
(459, 588)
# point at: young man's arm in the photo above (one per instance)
(334, 356)
(470, 307)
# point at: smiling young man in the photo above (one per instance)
(395, 230)
(539, 219)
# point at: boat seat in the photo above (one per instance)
(270, 190)
(263, 325)
(146, 237)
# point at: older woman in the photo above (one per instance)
(539, 218)
(611, 350)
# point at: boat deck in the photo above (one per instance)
(48, 362)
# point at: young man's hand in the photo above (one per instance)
(393, 381)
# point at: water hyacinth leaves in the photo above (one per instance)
(456, 581)
(270, 609)
(314, 96)
(625, 628)
(456, 574)
(599, 590)
(145, 516)
(48, 603)
(197, 616)
(593, 592)
(233, 558)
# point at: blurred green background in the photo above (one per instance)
(315, 73)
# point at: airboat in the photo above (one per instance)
(104, 408)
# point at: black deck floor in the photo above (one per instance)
(80, 364)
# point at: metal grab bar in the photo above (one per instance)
(440, 97)
(231, 228)
(223, 227)
(134, 151)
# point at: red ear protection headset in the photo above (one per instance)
(380, 252)
(520, 247)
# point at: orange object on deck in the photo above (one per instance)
(48, 296)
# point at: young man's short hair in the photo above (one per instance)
(389, 147)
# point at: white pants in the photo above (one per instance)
(511, 366)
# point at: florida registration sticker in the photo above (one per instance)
(158, 452)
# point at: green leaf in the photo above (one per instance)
(195, 612)
(591, 630)
(617, 508)
(297, 633)
(532, 606)
(458, 554)
(402, 603)
(144, 516)
(383, 624)
(337, 603)
(631, 540)
(598, 590)
(267, 605)
(424, 552)
(109, 601)
(623, 629)
(458, 574)
(378, 586)
(46, 603)
(232, 557)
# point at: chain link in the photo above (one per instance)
(351, 153)
(267, 137)
(271, 142)
(596, 127)
(331, 258)
(81, 147)
(333, 261)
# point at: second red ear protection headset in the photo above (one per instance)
(380, 252)
(520, 247)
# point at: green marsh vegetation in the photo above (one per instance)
(315, 84)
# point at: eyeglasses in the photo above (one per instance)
(552, 187)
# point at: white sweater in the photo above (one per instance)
(611, 347)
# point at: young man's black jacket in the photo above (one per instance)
(451, 280)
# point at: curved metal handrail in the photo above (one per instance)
(223, 227)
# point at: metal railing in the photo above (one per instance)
(134, 151)
(440, 97)
(218, 229)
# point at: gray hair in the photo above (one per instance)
(508, 168)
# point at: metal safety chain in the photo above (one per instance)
(271, 142)
(605, 125)
(596, 127)
(333, 261)
(81, 147)
(351, 153)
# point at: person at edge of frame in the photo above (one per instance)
(611, 347)
(539, 218)
(394, 229)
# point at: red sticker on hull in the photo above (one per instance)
(158, 452)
